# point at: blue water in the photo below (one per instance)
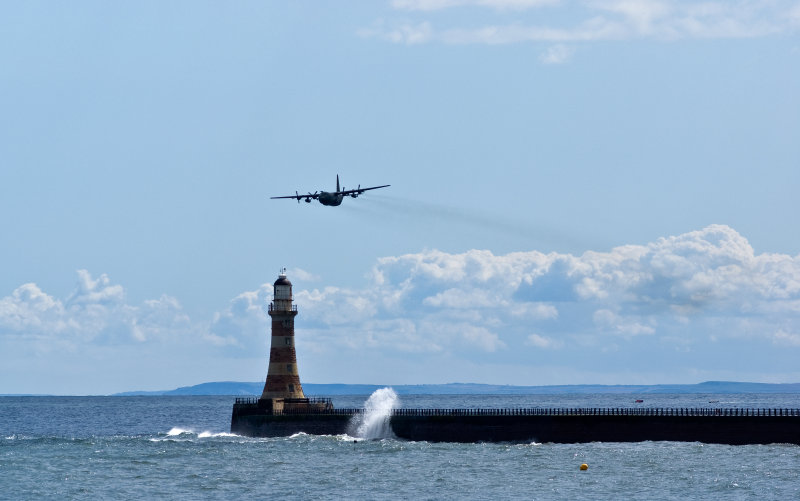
(180, 448)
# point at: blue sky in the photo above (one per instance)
(582, 192)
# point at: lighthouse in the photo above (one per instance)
(283, 378)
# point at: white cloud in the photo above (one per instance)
(98, 291)
(601, 20)
(244, 323)
(30, 308)
(589, 30)
(430, 5)
(406, 33)
(538, 311)
(557, 54)
(794, 15)
(481, 337)
(305, 276)
(608, 321)
(641, 15)
(786, 338)
(95, 312)
(543, 342)
(672, 287)
(457, 298)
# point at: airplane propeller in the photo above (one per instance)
(298, 196)
(356, 193)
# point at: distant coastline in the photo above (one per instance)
(244, 388)
(236, 388)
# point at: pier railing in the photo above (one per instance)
(601, 411)
(252, 403)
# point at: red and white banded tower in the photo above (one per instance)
(283, 378)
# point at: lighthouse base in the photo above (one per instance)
(278, 417)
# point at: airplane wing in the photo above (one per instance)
(298, 197)
(360, 190)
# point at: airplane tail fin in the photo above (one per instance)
(337, 183)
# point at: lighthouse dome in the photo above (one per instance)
(282, 280)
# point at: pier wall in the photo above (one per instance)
(709, 425)
(599, 428)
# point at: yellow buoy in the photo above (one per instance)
(584, 467)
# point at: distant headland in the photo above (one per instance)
(245, 388)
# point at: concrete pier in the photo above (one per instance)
(541, 425)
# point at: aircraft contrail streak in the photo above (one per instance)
(531, 232)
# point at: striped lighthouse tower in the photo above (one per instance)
(283, 379)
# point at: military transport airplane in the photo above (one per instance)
(332, 197)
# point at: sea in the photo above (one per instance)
(180, 447)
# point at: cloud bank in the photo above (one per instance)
(497, 22)
(96, 312)
(679, 294)
(676, 288)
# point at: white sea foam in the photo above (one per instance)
(189, 433)
(175, 431)
(208, 434)
(374, 422)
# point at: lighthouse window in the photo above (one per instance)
(291, 388)
(288, 341)
(289, 368)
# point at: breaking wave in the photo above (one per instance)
(374, 422)
(188, 434)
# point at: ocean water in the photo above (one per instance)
(180, 448)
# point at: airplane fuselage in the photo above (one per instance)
(332, 199)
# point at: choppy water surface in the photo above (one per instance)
(179, 447)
